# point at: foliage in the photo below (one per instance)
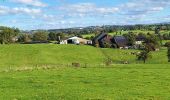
(40, 36)
(168, 54)
(167, 44)
(60, 36)
(8, 35)
(131, 37)
(114, 46)
(52, 36)
(25, 38)
(166, 36)
(107, 45)
(152, 41)
(144, 55)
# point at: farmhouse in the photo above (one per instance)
(102, 39)
(75, 40)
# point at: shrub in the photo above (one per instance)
(107, 45)
(168, 54)
(167, 44)
(114, 46)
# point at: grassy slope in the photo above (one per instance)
(22, 55)
(31, 55)
(132, 82)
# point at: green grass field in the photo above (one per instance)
(51, 54)
(119, 82)
(125, 32)
(31, 72)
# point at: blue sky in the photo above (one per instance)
(55, 14)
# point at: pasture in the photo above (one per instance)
(32, 72)
(52, 54)
(125, 32)
(120, 82)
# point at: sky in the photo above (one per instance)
(57, 14)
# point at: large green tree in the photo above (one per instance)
(8, 35)
(152, 41)
(131, 37)
(52, 36)
(40, 36)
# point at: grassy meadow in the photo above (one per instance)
(119, 82)
(51, 54)
(125, 32)
(32, 72)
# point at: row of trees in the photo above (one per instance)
(11, 35)
(41, 36)
(111, 28)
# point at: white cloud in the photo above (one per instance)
(140, 7)
(37, 3)
(82, 9)
(4, 10)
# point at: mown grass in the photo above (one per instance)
(118, 82)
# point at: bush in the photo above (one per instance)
(114, 46)
(167, 44)
(168, 54)
(107, 45)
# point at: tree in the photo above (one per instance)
(52, 36)
(168, 54)
(25, 38)
(8, 35)
(157, 31)
(60, 36)
(40, 36)
(145, 54)
(152, 41)
(131, 37)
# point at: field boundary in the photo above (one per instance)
(113, 66)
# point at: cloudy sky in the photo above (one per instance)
(50, 14)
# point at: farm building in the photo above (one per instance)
(75, 40)
(120, 41)
(102, 39)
